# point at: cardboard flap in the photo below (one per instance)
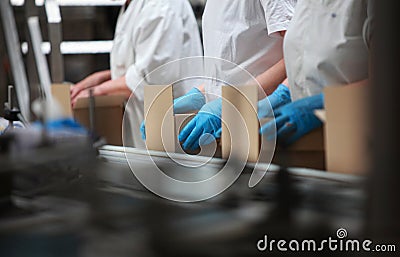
(101, 101)
(159, 118)
(240, 105)
(347, 134)
(61, 93)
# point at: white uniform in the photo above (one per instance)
(324, 45)
(151, 33)
(245, 32)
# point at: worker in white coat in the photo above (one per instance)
(326, 45)
(149, 33)
(250, 34)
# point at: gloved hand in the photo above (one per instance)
(294, 120)
(191, 101)
(278, 98)
(207, 121)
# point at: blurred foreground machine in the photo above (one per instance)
(72, 203)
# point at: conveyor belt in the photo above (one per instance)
(106, 209)
(118, 155)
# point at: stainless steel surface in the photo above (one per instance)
(10, 105)
(30, 10)
(41, 62)
(9, 102)
(3, 72)
(15, 56)
(119, 155)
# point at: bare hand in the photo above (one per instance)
(91, 81)
(111, 87)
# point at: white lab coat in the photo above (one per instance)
(324, 45)
(151, 33)
(245, 33)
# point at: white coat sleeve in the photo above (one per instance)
(157, 40)
(278, 14)
(368, 29)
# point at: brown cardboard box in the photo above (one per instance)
(61, 93)
(159, 118)
(240, 126)
(307, 152)
(109, 112)
(181, 120)
(347, 148)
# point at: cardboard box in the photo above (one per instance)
(240, 125)
(181, 120)
(108, 117)
(159, 118)
(211, 150)
(347, 130)
(307, 152)
(61, 93)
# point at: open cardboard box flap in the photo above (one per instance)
(346, 130)
(61, 93)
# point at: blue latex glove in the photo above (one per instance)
(62, 125)
(143, 130)
(67, 123)
(206, 122)
(278, 98)
(294, 120)
(191, 101)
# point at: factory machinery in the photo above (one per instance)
(64, 198)
(64, 195)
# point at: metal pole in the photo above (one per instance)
(30, 10)
(40, 58)
(55, 37)
(15, 55)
